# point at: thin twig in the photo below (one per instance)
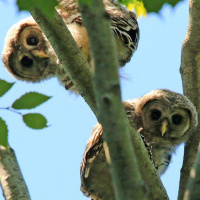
(10, 109)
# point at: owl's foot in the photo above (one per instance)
(69, 85)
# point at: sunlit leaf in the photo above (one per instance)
(138, 7)
(30, 100)
(3, 133)
(35, 120)
(4, 87)
(47, 6)
(147, 6)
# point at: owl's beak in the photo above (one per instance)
(40, 54)
(164, 127)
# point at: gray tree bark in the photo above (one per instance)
(11, 178)
(190, 70)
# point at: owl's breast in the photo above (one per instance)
(161, 149)
(162, 157)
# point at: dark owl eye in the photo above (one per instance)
(177, 119)
(32, 40)
(155, 115)
(26, 61)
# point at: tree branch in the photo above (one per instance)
(68, 53)
(119, 150)
(12, 182)
(149, 174)
(192, 192)
(190, 70)
(73, 61)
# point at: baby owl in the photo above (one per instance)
(28, 55)
(166, 118)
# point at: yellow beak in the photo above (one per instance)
(40, 54)
(164, 127)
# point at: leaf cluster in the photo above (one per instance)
(141, 7)
(27, 101)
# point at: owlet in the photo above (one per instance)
(166, 118)
(28, 55)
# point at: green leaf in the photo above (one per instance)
(151, 6)
(4, 87)
(35, 120)
(3, 133)
(30, 100)
(138, 8)
(86, 2)
(46, 6)
(156, 5)
(126, 2)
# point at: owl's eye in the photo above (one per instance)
(26, 61)
(155, 115)
(32, 41)
(177, 119)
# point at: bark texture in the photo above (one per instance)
(156, 190)
(190, 72)
(192, 192)
(11, 178)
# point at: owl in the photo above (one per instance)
(165, 120)
(28, 55)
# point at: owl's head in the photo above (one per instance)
(27, 54)
(167, 114)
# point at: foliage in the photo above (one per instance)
(142, 7)
(4, 87)
(156, 5)
(30, 100)
(27, 101)
(138, 6)
(3, 133)
(35, 120)
(47, 5)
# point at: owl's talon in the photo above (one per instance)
(69, 85)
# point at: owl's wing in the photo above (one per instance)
(95, 142)
(94, 146)
(123, 24)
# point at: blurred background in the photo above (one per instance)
(50, 158)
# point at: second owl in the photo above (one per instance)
(166, 118)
